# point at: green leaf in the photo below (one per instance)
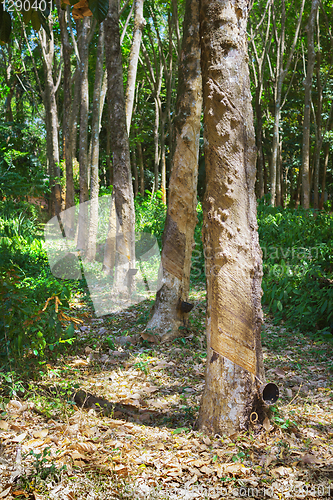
(323, 307)
(179, 430)
(99, 8)
(5, 26)
(279, 305)
(27, 16)
(35, 21)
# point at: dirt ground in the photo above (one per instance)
(128, 432)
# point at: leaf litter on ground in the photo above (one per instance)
(146, 446)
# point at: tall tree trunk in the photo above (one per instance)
(139, 23)
(233, 255)
(95, 129)
(156, 143)
(51, 111)
(319, 135)
(169, 312)
(142, 172)
(75, 114)
(67, 103)
(83, 137)
(323, 183)
(108, 155)
(135, 172)
(122, 185)
(281, 73)
(163, 160)
(307, 106)
(259, 139)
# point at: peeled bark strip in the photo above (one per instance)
(182, 201)
(122, 182)
(232, 252)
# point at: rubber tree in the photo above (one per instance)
(139, 23)
(83, 34)
(168, 311)
(95, 129)
(68, 221)
(51, 115)
(122, 183)
(282, 68)
(310, 29)
(233, 257)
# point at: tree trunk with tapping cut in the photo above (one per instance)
(232, 252)
(168, 314)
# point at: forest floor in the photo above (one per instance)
(51, 448)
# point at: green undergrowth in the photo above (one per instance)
(35, 320)
(298, 267)
(34, 304)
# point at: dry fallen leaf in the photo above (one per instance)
(192, 480)
(121, 470)
(206, 470)
(280, 373)
(281, 471)
(76, 455)
(266, 460)
(206, 440)
(85, 447)
(79, 463)
(150, 338)
(267, 425)
(3, 425)
(175, 472)
(19, 438)
(79, 362)
(234, 469)
(41, 434)
(5, 492)
(150, 389)
(32, 444)
(197, 463)
(309, 459)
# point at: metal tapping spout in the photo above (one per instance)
(269, 393)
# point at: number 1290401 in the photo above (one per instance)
(25, 5)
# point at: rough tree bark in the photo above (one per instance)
(66, 51)
(83, 138)
(135, 172)
(232, 251)
(142, 171)
(122, 183)
(168, 313)
(139, 23)
(307, 106)
(51, 112)
(95, 129)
